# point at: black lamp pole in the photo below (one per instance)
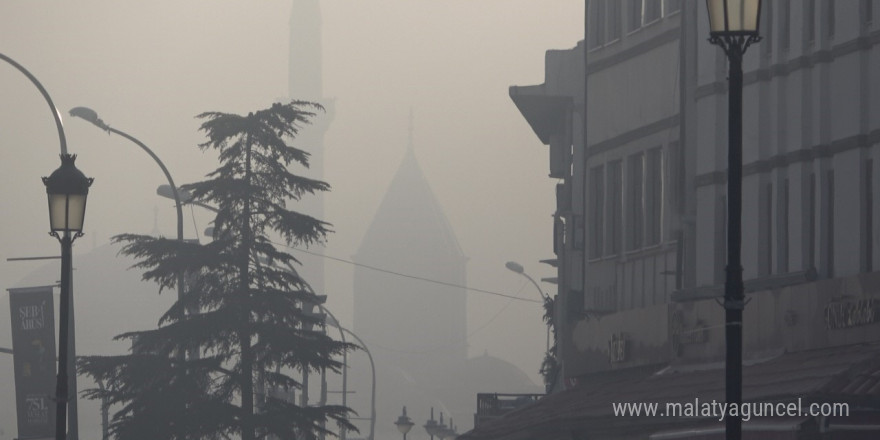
(734, 26)
(61, 388)
(74, 426)
(67, 189)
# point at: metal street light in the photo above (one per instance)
(332, 321)
(448, 433)
(59, 126)
(404, 423)
(55, 115)
(92, 116)
(518, 268)
(431, 426)
(67, 189)
(733, 25)
(441, 429)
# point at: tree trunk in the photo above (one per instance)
(244, 335)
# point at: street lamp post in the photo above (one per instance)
(343, 330)
(59, 126)
(513, 266)
(733, 25)
(67, 189)
(431, 426)
(448, 433)
(404, 423)
(55, 115)
(92, 116)
(518, 268)
(441, 430)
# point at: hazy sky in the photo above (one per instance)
(148, 67)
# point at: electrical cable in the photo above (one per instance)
(391, 272)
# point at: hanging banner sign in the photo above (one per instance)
(33, 345)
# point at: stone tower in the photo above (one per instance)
(408, 319)
(415, 329)
(305, 72)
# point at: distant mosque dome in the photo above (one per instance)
(490, 374)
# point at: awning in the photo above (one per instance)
(776, 429)
(837, 374)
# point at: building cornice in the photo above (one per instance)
(719, 177)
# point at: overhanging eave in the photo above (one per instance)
(543, 112)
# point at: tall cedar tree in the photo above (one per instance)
(251, 329)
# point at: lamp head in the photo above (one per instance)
(431, 426)
(67, 189)
(515, 267)
(729, 18)
(89, 115)
(166, 191)
(404, 424)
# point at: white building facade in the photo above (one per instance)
(640, 236)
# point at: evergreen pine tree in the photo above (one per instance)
(251, 323)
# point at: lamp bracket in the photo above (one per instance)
(734, 45)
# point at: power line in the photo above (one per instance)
(391, 272)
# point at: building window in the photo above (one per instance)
(782, 228)
(867, 12)
(653, 10)
(597, 23)
(784, 25)
(672, 6)
(766, 245)
(635, 217)
(809, 20)
(829, 224)
(810, 224)
(767, 25)
(597, 205)
(675, 177)
(653, 197)
(615, 206)
(634, 15)
(868, 216)
(829, 18)
(613, 10)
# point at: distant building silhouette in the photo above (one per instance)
(416, 329)
(410, 234)
(305, 73)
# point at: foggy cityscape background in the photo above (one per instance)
(149, 68)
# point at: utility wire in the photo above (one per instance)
(391, 272)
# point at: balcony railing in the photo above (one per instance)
(494, 405)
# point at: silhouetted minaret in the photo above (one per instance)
(304, 67)
(305, 83)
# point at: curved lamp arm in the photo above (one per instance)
(513, 266)
(92, 116)
(55, 113)
(373, 390)
(344, 330)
